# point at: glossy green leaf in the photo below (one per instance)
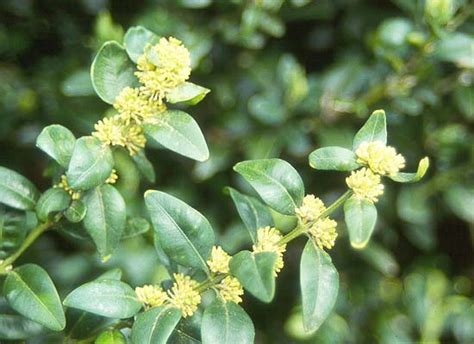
(111, 337)
(360, 216)
(15, 327)
(253, 213)
(112, 71)
(105, 218)
(135, 40)
(31, 292)
(255, 273)
(375, 129)
(333, 158)
(136, 226)
(155, 326)
(226, 323)
(58, 142)
(403, 177)
(319, 282)
(188, 93)
(276, 181)
(179, 132)
(76, 211)
(91, 164)
(106, 297)
(52, 201)
(144, 166)
(184, 234)
(16, 191)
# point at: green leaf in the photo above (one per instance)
(375, 129)
(82, 325)
(16, 191)
(456, 47)
(155, 326)
(76, 211)
(105, 218)
(58, 142)
(255, 273)
(360, 216)
(112, 71)
(333, 158)
(52, 201)
(136, 226)
(319, 282)
(78, 84)
(187, 92)
(31, 292)
(226, 323)
(403, 177)
(115, 274)
(179, 132)
(253, 213)
(276, 181)
(91, 164)
(144, 166)
(15, 327)
(106, 297)
(135, 40)
(111, 337)
(184, 234)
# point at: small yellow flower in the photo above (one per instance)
(230, 289)
(365, 184)
(311, 209)
(219, 262)
(115, 132)
(183, 294)
(132, 105)
(64, 184)
(163, 67)
(380, 158)
(324, 233)
(267, 241)
(113, 177)
(151, 295)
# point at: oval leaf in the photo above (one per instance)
(403, 177)
(333, 158)
(155, 326)
(51, 201)
(31, 292)
(255, 273)
(111, 337)
(144, 166)
(16, 191)
(76, 211)
(360, 216)
(226, 323)
(106, 297)
(58, 142)
(135, 40)
(276, 181)
(15, 327)
(253, 213)
(319, 283)
(375, 129)
(184, 234)
(112, 71)
(105, 218)
(187, 92)
(180, 133)
(91, 164)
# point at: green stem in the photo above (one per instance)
(30, 239)
(210, 282)
(298, 230)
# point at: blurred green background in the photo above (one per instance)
(286, 78)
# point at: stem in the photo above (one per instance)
(32, 236)
(298, 230)
(210, 282)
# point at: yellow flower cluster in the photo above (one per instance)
(112, 179)
(219, 262)
(230, 289)
(184, 294)
(163, 67)
(151, 295)
(380, 158)
(311, 209)
(324, 233)
(134, 106)
(268, 241)
(63, 184)
(365, 184)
